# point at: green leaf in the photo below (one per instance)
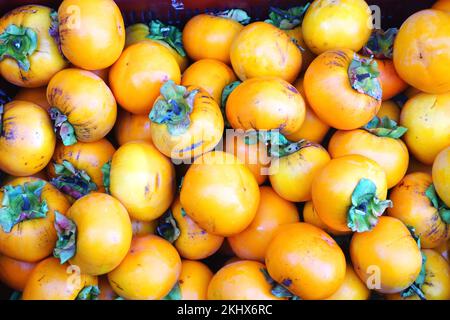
(63, 127)
(366, 207)
(385, 127)
(169, 34)
(443, 210)
(174, 294)
(21, 203)
(18, 43)
(66, 229)
(89, 293)
(278, 290)
(168, 228)
(287, 19)
(237, 15)
(381, 44)
(363, 74)
(106, 171)
(416, 287)
(16, 295)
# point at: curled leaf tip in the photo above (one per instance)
(168, 228)
(363, 74)
(385, 127)
(71, 181)
(63, 127)
(66, 230)
(237, 15)
(89, 293)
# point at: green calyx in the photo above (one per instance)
(416, 287)
(63, 127)
(169, 34)
(286, 19)
(385, 127)
(381, 44)
(224, 98)
(237, 15)
(366, 207)
(443, 210)
(175, 293)
(106, 171)
(174, 108)
(66, 229)
(18, 43)
(168, 228)
(89, 293)
(279, 290)
(71, 181)
(21, 203)
(363, 74)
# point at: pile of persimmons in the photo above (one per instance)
(306, 156)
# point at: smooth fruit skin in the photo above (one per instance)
(86, 156)
(149, 271)
(306, 260)
(92, 32)
(35, 95)
(310, 216)
(103, 233)
(437, 279)
(441, 175)
(87, 102)
(273, 211)
(389, 109)
(242, 280)
(27, 141)
(292, 176)
(422, 51)
(143, 180)
(194, 243)
(313, 129)
(251, 106)
(333, 186)
(209, 37)
(33, 240)
(46, 60)
(204, 133)
(139, 73)
(228, 191)
(352, 288)
(329, 24)
(443, 5)
(412, 206)
(15, 273)
(51, 280)
(194, 280)
(391, 154)
(210, 75)
(132, 127)
(387, 253)
(262, 49)
(391, 83)
(331, 96)
(427, 118)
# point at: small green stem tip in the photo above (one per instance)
(89, 293)
(18, 43)
(363, 74)
(66, 229)
(63, 127)
(385, 127)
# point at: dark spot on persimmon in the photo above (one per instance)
(286, 282)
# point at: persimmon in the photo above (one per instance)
(152, 64)
(142, 179)
(273, 211)
(306, 260)
(209, 36)
(352, 288)
(391, 83)
(27, 140)
(76, 170)
(211, 176)
(422, 51)
(414, 204)
(343, 88)
(387, 256)
(132, 127)
(92, 32)
(330, 25)
(262, 49)
(389, 109)
(310, 216)
(28, 207)
(441, 175)
(51, 280)
(251, 106)
(211, 75)
(242, 280)
(35, 95)
(194, 280)
(349, 193)
(427, 120)
(83, 107)
(185, 121)
(30, 54)
(443, 5)
(15, 273)
(149, 271)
